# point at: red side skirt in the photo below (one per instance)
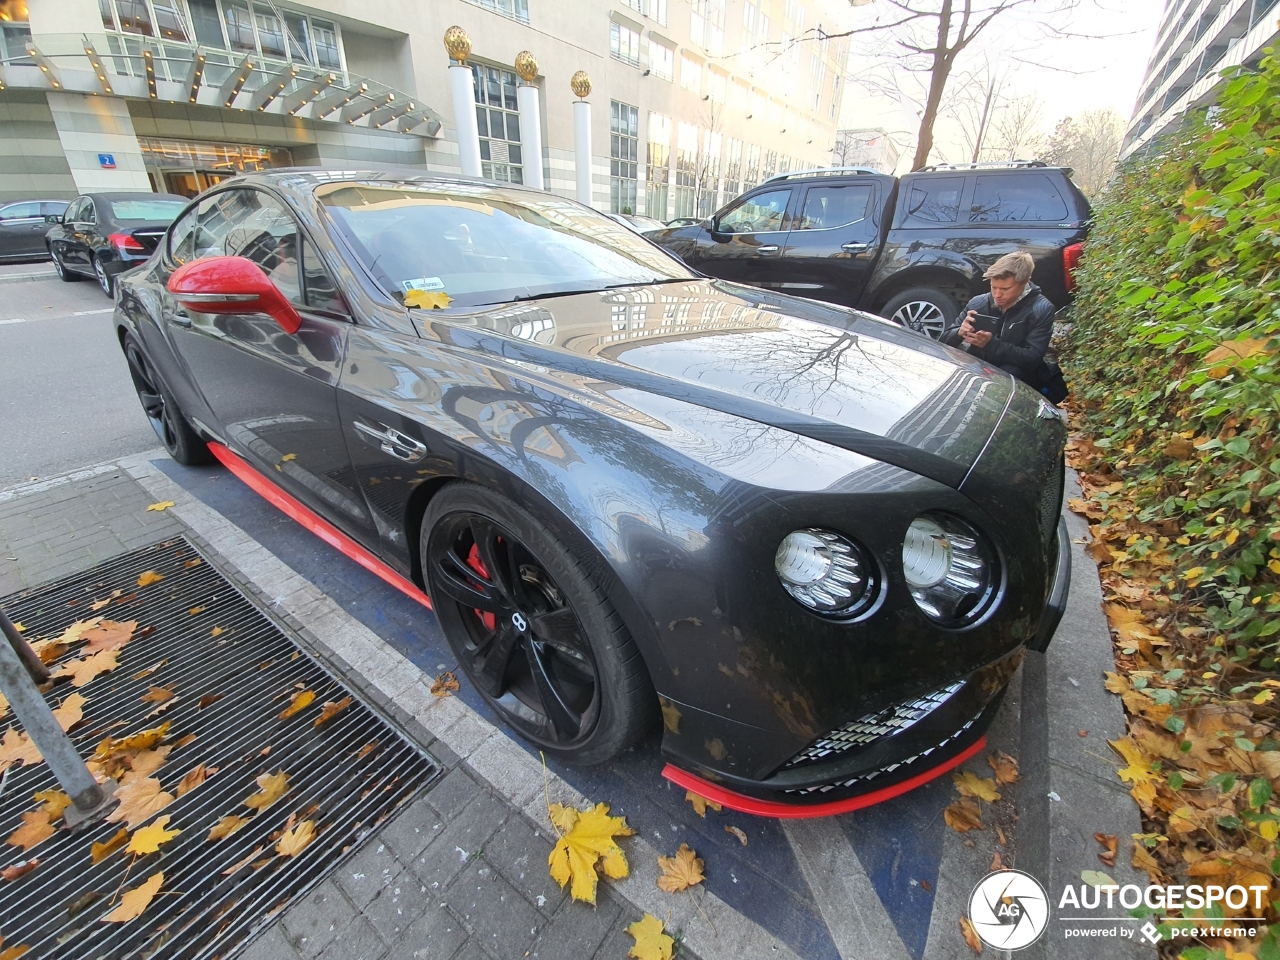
(796, 811)
(320, 527)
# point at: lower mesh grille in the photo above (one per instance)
(873, 726)
(1051, 501)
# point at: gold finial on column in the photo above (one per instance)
(526, 66)
(457, 43)
(581, 84)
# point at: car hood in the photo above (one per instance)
(832, 374)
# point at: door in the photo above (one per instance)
(274, 394)
(22, 229)
(833, 242)
(79, 237)
(746, 240)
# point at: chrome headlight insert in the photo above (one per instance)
(949, 569)
(825, 572)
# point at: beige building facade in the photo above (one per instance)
(692, 101)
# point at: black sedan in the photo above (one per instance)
(22, 228)
(811, 544)
(103, 234)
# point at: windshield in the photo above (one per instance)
(483, 244)
(164, 210)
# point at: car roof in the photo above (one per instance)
(135, 195)
(303, 180)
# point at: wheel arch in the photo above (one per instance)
(949, 279)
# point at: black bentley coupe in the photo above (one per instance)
(814, 546)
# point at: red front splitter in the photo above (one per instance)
(322, 528)
(795, 811)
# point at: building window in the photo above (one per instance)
(718, 88)
(706, 25)
(658, 171)
(514, 9)
(662, 61)
(653, 9)
(770, 165)
(751, 176)
(624, 156)
(709, 174)
(690, 74)
(624, 44)
(733, 170)
(498, 118)
(686, 169)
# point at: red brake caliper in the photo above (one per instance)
(475, 563)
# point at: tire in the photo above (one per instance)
(921, 309)
(65, 275)
(106, 282)
(540, 639)
(182, 443)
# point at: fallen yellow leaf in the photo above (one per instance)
(158, 507)
(70, 711)
(148, 577)
(158, 694)
(271, 787)
(83, 671)
(427, 299)
(12, 953)
(331, 709)
(701, 803)
(297, 703)
(226, 827)
(589, 839)
(18, 748)
(444, 685)
(963, 815)
(53, 802)
(681, 871)
(1005, 767)
(150, 837)
(971, 785)
(100, 851)
(193, 779)
(651, 943)
(742, 837)
(294, 841)
(970, 935)
(147, 762)
(135, 901)
(139, 799)
(35, 828)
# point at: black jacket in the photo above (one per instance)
(1024, 336)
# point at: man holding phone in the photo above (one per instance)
(1011, 326)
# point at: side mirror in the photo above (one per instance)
(53, 218)
(232, 285)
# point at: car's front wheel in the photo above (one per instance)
(922, 309)
(532, 628)
(65, 275)
(182, 442)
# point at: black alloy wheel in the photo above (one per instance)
(520, 614)
(182, 443)
(104, 278)
(921, 309)
(65, 275)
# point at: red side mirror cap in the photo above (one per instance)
(231, 285)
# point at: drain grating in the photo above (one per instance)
(232, 672)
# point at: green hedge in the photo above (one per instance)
(1173, 361)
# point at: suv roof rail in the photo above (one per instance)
(819, 170)
(993, 165)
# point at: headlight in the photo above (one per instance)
(949, 569)
(824, 571)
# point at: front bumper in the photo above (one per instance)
(1060, 586)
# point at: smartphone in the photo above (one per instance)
(983, 321)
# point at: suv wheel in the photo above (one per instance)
(922, 309)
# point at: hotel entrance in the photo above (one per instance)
(187, 168)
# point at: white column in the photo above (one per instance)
(530, 135)
(464, 117)
(582, 148)
(93, 129)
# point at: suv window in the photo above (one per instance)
(762, 213)
(834, 206)
(20, 211)
(1024, 197)
(935, 199)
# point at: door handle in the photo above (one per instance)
(854, 247)
(392, 442)
(767, 249)
(180, 318)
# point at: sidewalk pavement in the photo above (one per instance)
(462, 871)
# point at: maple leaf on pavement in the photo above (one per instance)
(971, 785)
(70, 711)
(194, 777)
(1005, 767)
(150, 837)
(12, 953)
(225, 827)
(135, 901)
(700, 803)
(53, 802)
(100, 851)
(82, 671)
(963, 816)
(35, 829)
(681, 871)
(147, 762)
(297, 703)
(148, 577)
(139, 799)
(588, 840)
(294, 841)
(970, 935)
(331, 709)
(109, 635)
(651, 943)
(19, 870)
(18, 748)
(271, 787)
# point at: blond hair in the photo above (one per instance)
(1018, 265)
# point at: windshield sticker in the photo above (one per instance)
(422, 283)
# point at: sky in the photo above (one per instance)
(1097, 60)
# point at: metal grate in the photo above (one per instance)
(873, 726)
(336, 778)
(1051, 500)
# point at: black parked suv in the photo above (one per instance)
(912, 249)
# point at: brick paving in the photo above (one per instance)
(459, 874)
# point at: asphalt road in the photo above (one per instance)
(65, 391)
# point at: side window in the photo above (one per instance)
(87, 212)
(935, 199)
(251, 224)
(763, 213)
(834, 206)
(182, 238)
(54, 208)
(75, 214)
(322, 293)
(1030, 196)
(20, 211)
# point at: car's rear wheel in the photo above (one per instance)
(65, 275)
(531, 627)
(182, 442)
(922, 309)
(104, 279)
